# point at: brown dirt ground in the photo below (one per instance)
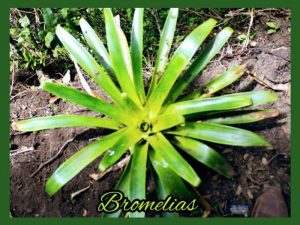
(268, 60)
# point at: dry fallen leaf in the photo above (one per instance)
(246, 156)
(53, 99)
(250, 195)
(67, 77)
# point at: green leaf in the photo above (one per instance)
(220, 134)
(258, 97)
(205, 155)
(89, 64)
(14, 32)
(245, 117)
(271, 31)
(88, 101)
(124, 182)
(223, 80)
(174, 160)
(209, 104)
(96, 45)
(136, 49)
(79, 161)
(120, 55)
(64, 12)
(42, 34)
(123, 185)
(49, 18)
(24, 21)
(129, 139)
(50, 122)
(218, 83)
(48, 39)
(242, 37)
(166, 121)
(168, 183)
(178, 62)
(138, 175)
(165, 45)
(130, 108)
(199, 64)
(273, 25)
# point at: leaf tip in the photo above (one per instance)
(266, 144)
(16, 126)
(269, 145)
(243, 67)
(273, 112)
(44, 85)
(197, 182)
(212, 20)
(82, 21)
(102, 167)
(49, 188)
(230, 173)
(275, 96)
(228, 29)
(59, 29)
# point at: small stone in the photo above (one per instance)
(253, 43)
(239, 210)
(246, 157)
(85, 212)
(264, 161)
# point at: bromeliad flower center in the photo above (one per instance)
(145, 126)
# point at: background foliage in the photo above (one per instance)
(34, 44)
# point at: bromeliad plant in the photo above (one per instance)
(157, 126)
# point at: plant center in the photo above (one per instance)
(145, 126)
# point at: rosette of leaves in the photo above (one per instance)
(156, 126)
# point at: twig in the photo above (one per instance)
(189, 10)
(56, 155)
(23, 11)
(156, 20)
(271, 52)
(119, 165)
(270, 160)
(236, 13)
(20, 93)
(274, 87)
(18, 11)
(74, 194)
(13, 78)
(215, 13)
(208, 208)
(240, 12)
(36, 14)
(22, 151)
(249, 29)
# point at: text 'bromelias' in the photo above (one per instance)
(113, 201)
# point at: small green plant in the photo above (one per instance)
(243, 37)
(33, 35)
(273, 27)
(156, 126)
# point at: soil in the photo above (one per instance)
(268, 60)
